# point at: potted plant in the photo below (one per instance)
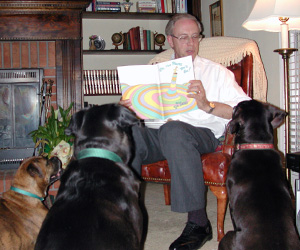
(51, 138)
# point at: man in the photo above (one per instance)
(183, 140)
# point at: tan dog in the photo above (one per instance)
(21, 209)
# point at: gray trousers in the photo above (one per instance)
(181, 145)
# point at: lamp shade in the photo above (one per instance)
(265, 15)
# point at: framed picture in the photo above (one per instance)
(216, 19)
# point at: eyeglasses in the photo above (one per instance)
(184, 39)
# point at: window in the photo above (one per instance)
(294, 78)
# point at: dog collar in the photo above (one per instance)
(20, 191)
(100, 153)
(254, 146)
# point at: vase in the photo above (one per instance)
(92, 44)
(127, 6)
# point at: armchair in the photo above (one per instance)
(241, 56)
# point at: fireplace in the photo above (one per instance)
(20, 113)
(42, 37)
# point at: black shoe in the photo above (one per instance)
(193, 237)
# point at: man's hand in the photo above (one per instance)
(126, 103)
(197, 91)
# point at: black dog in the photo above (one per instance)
(260, 203)
(97, 205)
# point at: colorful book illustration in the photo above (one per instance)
(158, 91)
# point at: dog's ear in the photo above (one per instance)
(75, 123)
(234, 126)
(236, 122)
(34, 170)
(127, 117)
(277, 116)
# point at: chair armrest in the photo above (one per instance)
(215, 168)
(228, 144)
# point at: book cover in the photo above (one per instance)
(108, 8)
(145, 39)
(169, 6)
(131, 38)
(162, 6)
(137, 39)
(142, 38)
(146, 10)
(107, 3)
(152, 44)
(148, 40)
(158, 6)
(158, 91)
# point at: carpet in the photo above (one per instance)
(164, 226)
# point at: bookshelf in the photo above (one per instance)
(105, 24)
(121, 52)
(130, 15)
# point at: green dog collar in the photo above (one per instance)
(100, 153)
(21, 191)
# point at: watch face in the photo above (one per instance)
(212, 105)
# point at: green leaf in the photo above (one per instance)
(53, 131)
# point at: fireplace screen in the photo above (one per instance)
(19, 114)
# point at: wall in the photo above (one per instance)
(234, 14)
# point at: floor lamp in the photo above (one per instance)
(278, 16)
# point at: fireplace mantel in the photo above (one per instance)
(58, 21)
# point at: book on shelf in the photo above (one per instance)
(171, 6)
(146, 10)
(138, 38)
(148, 40)
(112, 9)
(107, 3)
(158, 91)
(145, 39)
(146, 6)
(142, 38)
(106, 6)
(152, 44)
(146, 3)
(101, 82)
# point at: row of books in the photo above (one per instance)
(138, 38)
(163, 6)
(101, 82)
(106, 6)
(172, 6)
(146, 6)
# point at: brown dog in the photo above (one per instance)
(21, 209)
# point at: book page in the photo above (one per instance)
(139, 83)
(158, 91)
(174, 80)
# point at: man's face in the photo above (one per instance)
(188, 28)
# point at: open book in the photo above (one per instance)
(158, 91)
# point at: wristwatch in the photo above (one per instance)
(212, 107)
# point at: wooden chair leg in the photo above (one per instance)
(167, 193)
(221, 194)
